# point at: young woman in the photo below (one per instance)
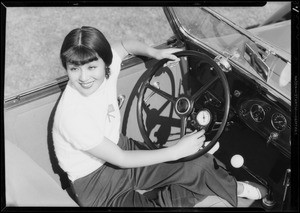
(106, 168)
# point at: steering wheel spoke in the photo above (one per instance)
(159, 92)
(216, 126)
(204, 88)
(183, 125)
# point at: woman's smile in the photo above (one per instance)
(87, 85)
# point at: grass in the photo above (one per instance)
(34, 34)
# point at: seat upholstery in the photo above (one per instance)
(27, 184)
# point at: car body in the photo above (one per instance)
(258, 125)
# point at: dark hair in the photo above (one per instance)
(83, 45)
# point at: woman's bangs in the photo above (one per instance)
(80, 55)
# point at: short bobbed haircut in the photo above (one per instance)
(84, 45)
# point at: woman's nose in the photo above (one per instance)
(83, 75)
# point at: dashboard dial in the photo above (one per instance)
(278, 121)
(203, 117)
(257, 113)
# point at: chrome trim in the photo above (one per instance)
(237, 66)
(223, 63)
(188, 107)
(37, 88)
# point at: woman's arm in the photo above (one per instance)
(112, 153)
(136, 47)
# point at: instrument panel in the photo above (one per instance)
(269, 121)
(279, 121)
(257, 113)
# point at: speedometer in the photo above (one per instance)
(278, 121)
(257, 113)
(203, 117)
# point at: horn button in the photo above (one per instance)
(183, 106)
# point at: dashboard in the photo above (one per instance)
(269, 121)
(250, 103)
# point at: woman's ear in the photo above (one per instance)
(107, 72)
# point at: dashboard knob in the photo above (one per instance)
(237, 161)
(237, 93)
(273, 136)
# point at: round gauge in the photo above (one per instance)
(278, 121)
(203, 117)
(257, 113)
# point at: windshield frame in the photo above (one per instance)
(183, 34)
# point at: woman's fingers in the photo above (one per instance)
(171, 62)
(198, 134)
(199, 138)
(169, 54)
(191, 143)
(196, 138)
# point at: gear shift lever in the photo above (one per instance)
(237, 161)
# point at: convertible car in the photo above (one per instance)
(233, 82)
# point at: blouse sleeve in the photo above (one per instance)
(115, 66)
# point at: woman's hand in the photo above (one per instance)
(167, 53)
(135, 47)
(189, 144)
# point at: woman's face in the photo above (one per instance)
(87, 78)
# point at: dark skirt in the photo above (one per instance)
(179, 184)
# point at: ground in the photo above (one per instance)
(34, 34)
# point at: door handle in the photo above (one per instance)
(121, 99)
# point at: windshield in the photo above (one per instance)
(199, 24)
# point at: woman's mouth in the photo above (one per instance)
(86, 85)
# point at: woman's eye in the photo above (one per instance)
(92, 67)
(73, 68)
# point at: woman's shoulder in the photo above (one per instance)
(66, 114)
(68, 103)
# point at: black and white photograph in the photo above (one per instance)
(137, 106)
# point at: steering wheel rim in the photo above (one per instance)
(146, 84)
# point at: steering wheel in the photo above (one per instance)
(184, 104)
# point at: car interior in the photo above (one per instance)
(240, 136)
